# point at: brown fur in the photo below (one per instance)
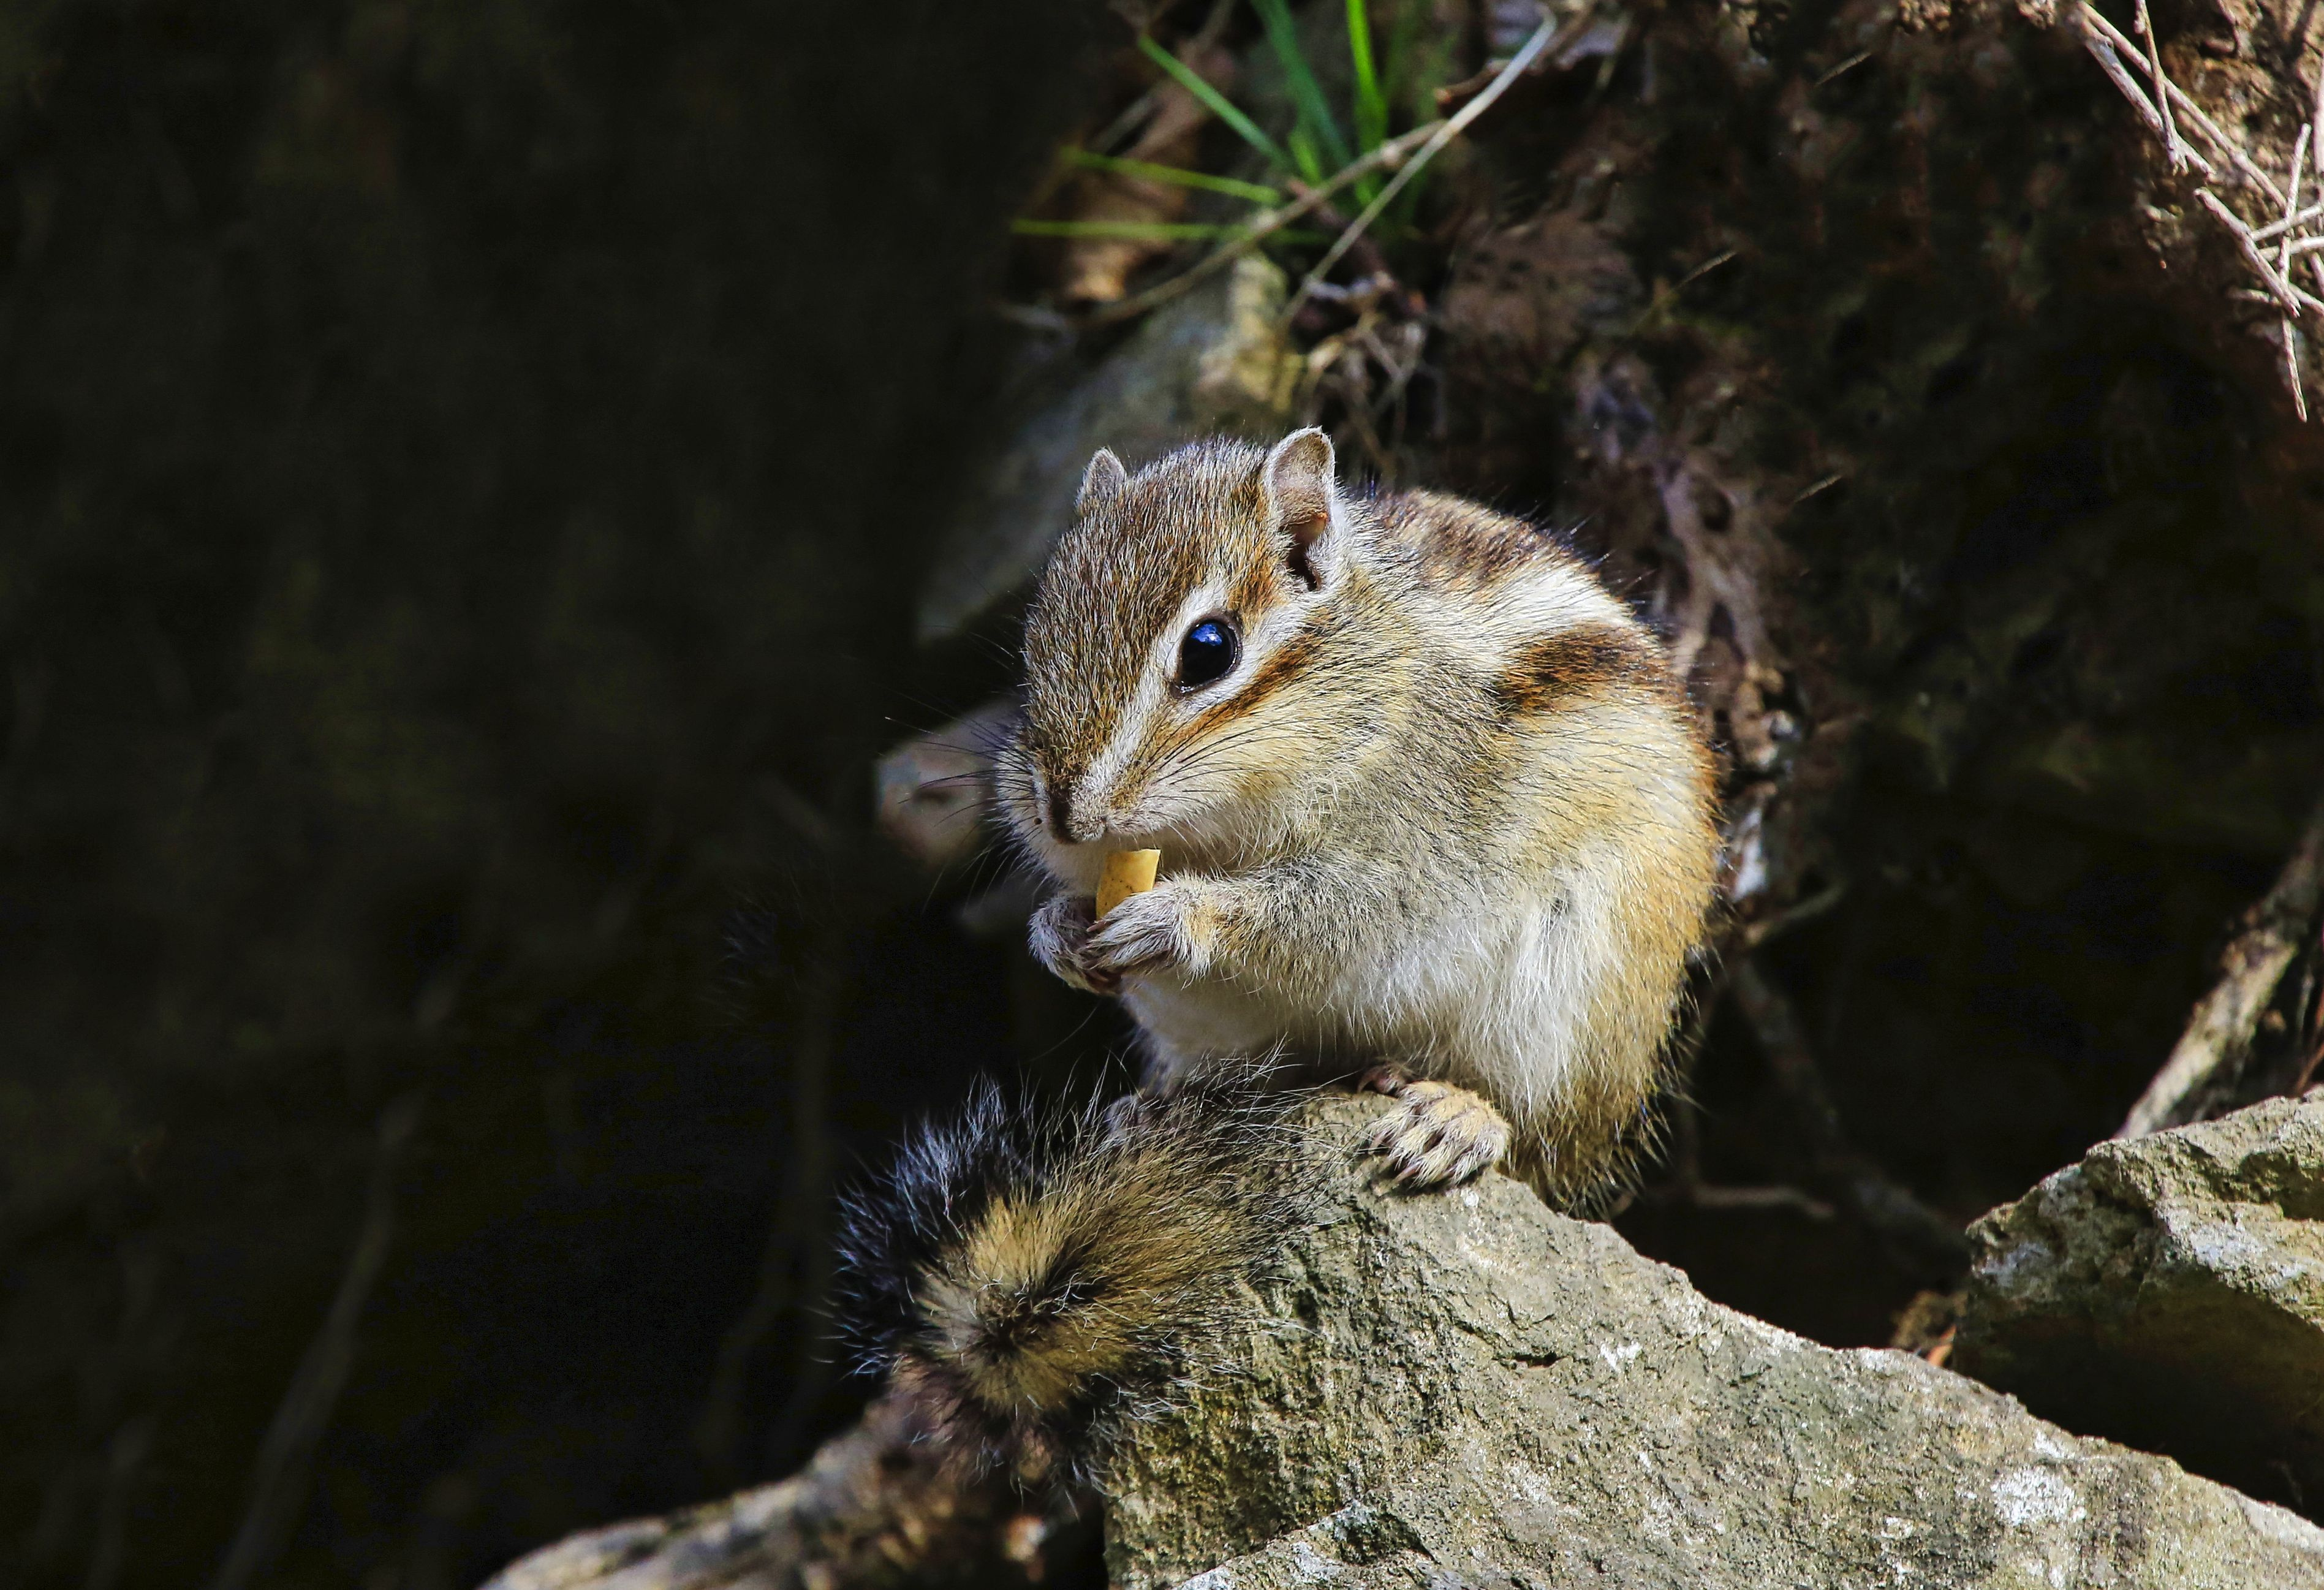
(1465, 545)
(1548, 673)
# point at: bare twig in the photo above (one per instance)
(1140, 110)
(2282, 291)
(278, 1480)
(1446, 131)
(1849, 65)
(2314, 212)
(2111, 64)
(2315, 154)
(1707, 1196)
(2224, 1021)
(2291, 369)
(2316, 122)
(2292, 198)
(1799, 913)
(1704, 1195)
(2170, 144)
(2183, 104)
(2283, 268)
(1865, 1189)
(1669, 295)
(1265, 226)
(2307, 1072)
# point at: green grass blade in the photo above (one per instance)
(1178, 176)
(1306, 94)
(1129, 231)
(1153, 231)
(1303, 150)
(1404, 81)
(1372, 104)
(1216, 103)
(1399, 78)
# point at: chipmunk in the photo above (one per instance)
(1427, 797)
(1431, 807)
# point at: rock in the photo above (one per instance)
(2169, 1291)
(1216, 360)
(1467, 1389)
(874, 1509)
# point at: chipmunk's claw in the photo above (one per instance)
(1058, 936)
(1438, 1135)
(1146, 933)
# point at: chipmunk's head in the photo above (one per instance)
(1174, 647)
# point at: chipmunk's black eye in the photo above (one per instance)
(1209, 652)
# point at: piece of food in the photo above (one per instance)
(1127, 873)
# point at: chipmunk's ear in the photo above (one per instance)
(1302, 501)
(1101, 482)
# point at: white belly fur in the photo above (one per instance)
(1498, 1004)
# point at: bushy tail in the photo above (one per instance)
(1032, 1276)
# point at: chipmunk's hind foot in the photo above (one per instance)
(1438, 1134)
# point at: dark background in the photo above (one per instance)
(465, 471)
(461, 472)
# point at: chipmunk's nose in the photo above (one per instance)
(1062, 817)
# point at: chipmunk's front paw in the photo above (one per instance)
(1438, 1135)
(1057, 936)
(1172, 927)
